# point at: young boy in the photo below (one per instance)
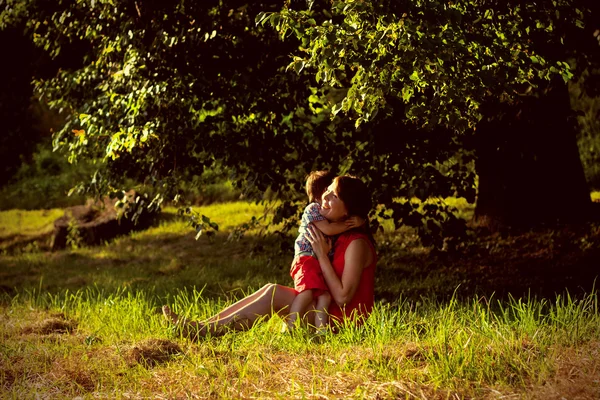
(306, 270)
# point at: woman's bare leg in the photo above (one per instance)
(239, 305)
(270, 299)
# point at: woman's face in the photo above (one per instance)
(332, 207)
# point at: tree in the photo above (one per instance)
(161, 91)
(158, 92)
(492, 74)
(19, 136)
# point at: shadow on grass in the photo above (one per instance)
(161, 262)
(542, 263)
(167, 258)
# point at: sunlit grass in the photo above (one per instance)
(425, 348)
(24, 222)
(226, 215)
(167, 256)
(162, 257)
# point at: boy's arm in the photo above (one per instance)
(354, 221)
(331, 228)
(335, 228)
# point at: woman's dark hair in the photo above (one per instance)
(357, 199)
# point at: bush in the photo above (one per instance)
(44, 183)
(213, 186)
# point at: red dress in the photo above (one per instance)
(307, 275)
(361, 304)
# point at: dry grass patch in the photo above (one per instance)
(54, 322)
(50, 326)
(73, 374)
(152, 352)
(577, 375)
(266, 372)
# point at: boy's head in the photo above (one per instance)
(316, 184)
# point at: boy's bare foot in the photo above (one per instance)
(286, 328)
(319, 335)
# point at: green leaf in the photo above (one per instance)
(336, 108)
(299, 66)
(407, 92)
(262, 17)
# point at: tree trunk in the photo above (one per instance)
(528, 163)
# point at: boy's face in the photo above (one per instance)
(332, 207)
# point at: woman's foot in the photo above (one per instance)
(191, 329)
(170, 315)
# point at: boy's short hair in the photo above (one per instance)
(316, 184)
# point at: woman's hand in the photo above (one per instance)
(320, 245)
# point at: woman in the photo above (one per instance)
(350, 275)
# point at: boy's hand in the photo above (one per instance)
(354, 221)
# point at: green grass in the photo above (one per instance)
(27, 222)
(226, 215)
(163, 257)
(92, 343)
(86, 322)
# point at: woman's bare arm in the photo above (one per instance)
(358, 256)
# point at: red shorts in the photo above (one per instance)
(307, 275)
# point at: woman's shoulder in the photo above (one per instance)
(359, 246)
(352, 235)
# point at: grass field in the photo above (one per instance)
(86, 323)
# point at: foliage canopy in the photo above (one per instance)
(159, 91)
(443, 60)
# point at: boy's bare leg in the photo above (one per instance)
(299, 307)
(321, 317)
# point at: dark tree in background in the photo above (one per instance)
(26, 122)
(494, 74)
(528, 162)
(19, 137)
